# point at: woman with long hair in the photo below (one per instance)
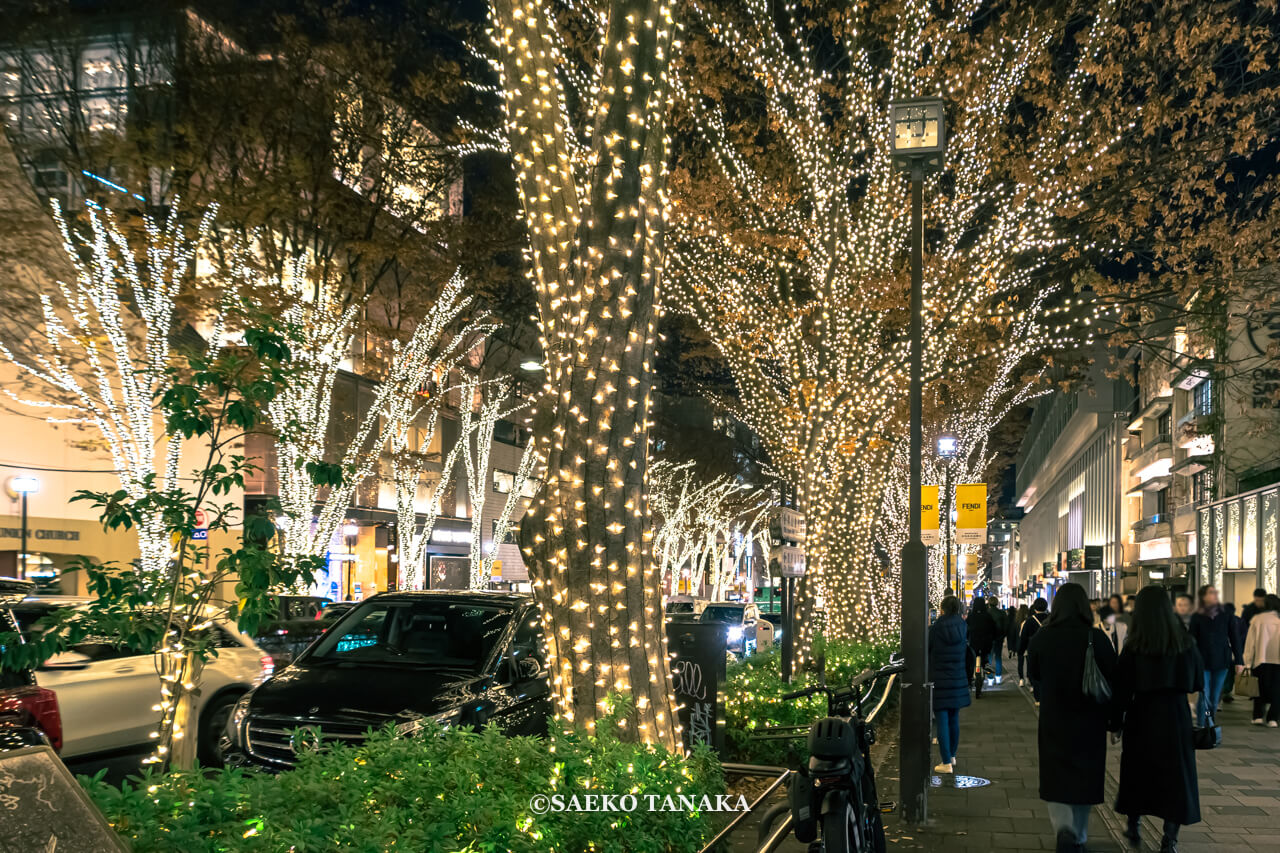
(1157, 669)
(982, 639)
(948, 642)
(1073, 725)
(1016, 617)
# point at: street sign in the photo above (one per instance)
(929, 515)
(333, 590)
(201, 533)
(791, 562)
(496, 570)
(971, 513)
(201, 519)
(788, 525)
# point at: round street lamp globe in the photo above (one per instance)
(24, 484)
(948, 446)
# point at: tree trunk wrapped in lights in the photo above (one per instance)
(790, 233)
(585, 92)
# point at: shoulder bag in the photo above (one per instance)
(1095, 684)
(1208, 737)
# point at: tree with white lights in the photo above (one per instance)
(704, 524)
(791, 233)
(302, 412)
(585, 90)
(107, 344)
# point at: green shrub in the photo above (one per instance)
(457, 790)
(754, 690)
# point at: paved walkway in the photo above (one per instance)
(1239, 789)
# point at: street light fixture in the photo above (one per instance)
(918, 140)
(24, 484)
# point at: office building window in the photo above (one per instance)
(1202, 486)
(1202, 398)
(1164, 424)
(1162, 501)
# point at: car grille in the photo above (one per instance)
(273, 739)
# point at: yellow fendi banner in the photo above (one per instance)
(929, 515)
(971, 513)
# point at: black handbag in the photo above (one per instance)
(1207, 737)
(1094, 684)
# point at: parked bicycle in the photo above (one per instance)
(832, 800)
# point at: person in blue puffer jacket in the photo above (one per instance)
(948, 641)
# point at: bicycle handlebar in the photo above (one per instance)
(892, 668)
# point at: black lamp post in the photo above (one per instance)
(918, 138)
(24, 484)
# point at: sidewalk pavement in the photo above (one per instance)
(1239, 789)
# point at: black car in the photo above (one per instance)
(401, 658)
(29, 713)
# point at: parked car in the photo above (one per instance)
(684, 608)
(739, 619)
(107, 691)
(335, 611)
(401, 658)
(29, 713)
(293, 628)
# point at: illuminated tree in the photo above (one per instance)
(703, 522)
(792, 231)
(107, 344)
(307, 452)
(585, 93)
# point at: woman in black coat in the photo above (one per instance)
(948, 642)
(1073, 725)
(1157, 669)
(982, 638)
(1034, 621)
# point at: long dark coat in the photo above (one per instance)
(1218, 643)
(982, 631)
(1158, 764)
(1030, 626)
(948, 642)
(1073, 727)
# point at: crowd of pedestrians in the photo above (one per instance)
(1147, 671)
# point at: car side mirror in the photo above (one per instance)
(517, 666)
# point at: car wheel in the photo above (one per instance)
(213, 721)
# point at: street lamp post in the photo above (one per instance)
(350, 532)
(948, 447)
(24, 484)
(917, 140)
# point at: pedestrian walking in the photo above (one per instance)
(1262, 657)
(1035, 619)
(1159, 666)
(1253, 608)
(1212, 632)
(1016, 617)
(1184, 605)
(948, 642)
(1001, 617)
(1117, 632)
(1072, 734)
(1236, 628)
(982, 639)
(1117, 607)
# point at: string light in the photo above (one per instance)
(586, 127)
(805, 295)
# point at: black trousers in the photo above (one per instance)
(1268, 691)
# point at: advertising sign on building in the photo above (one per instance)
(971, 513)
(929, 515)
(1093, 558)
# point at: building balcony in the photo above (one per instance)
(1184, 519)
(1155, 458)
(1157, 406)
(1158, 526)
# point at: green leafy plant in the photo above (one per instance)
(210, 399)
(754, 690)
(454, 790)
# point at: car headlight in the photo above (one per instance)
(238, 715)
(735, 633)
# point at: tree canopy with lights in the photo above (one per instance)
(791, 232)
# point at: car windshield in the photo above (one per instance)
(722, 614)
(433, 633)
(679, 606)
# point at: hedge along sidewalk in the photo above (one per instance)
(443, 791)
